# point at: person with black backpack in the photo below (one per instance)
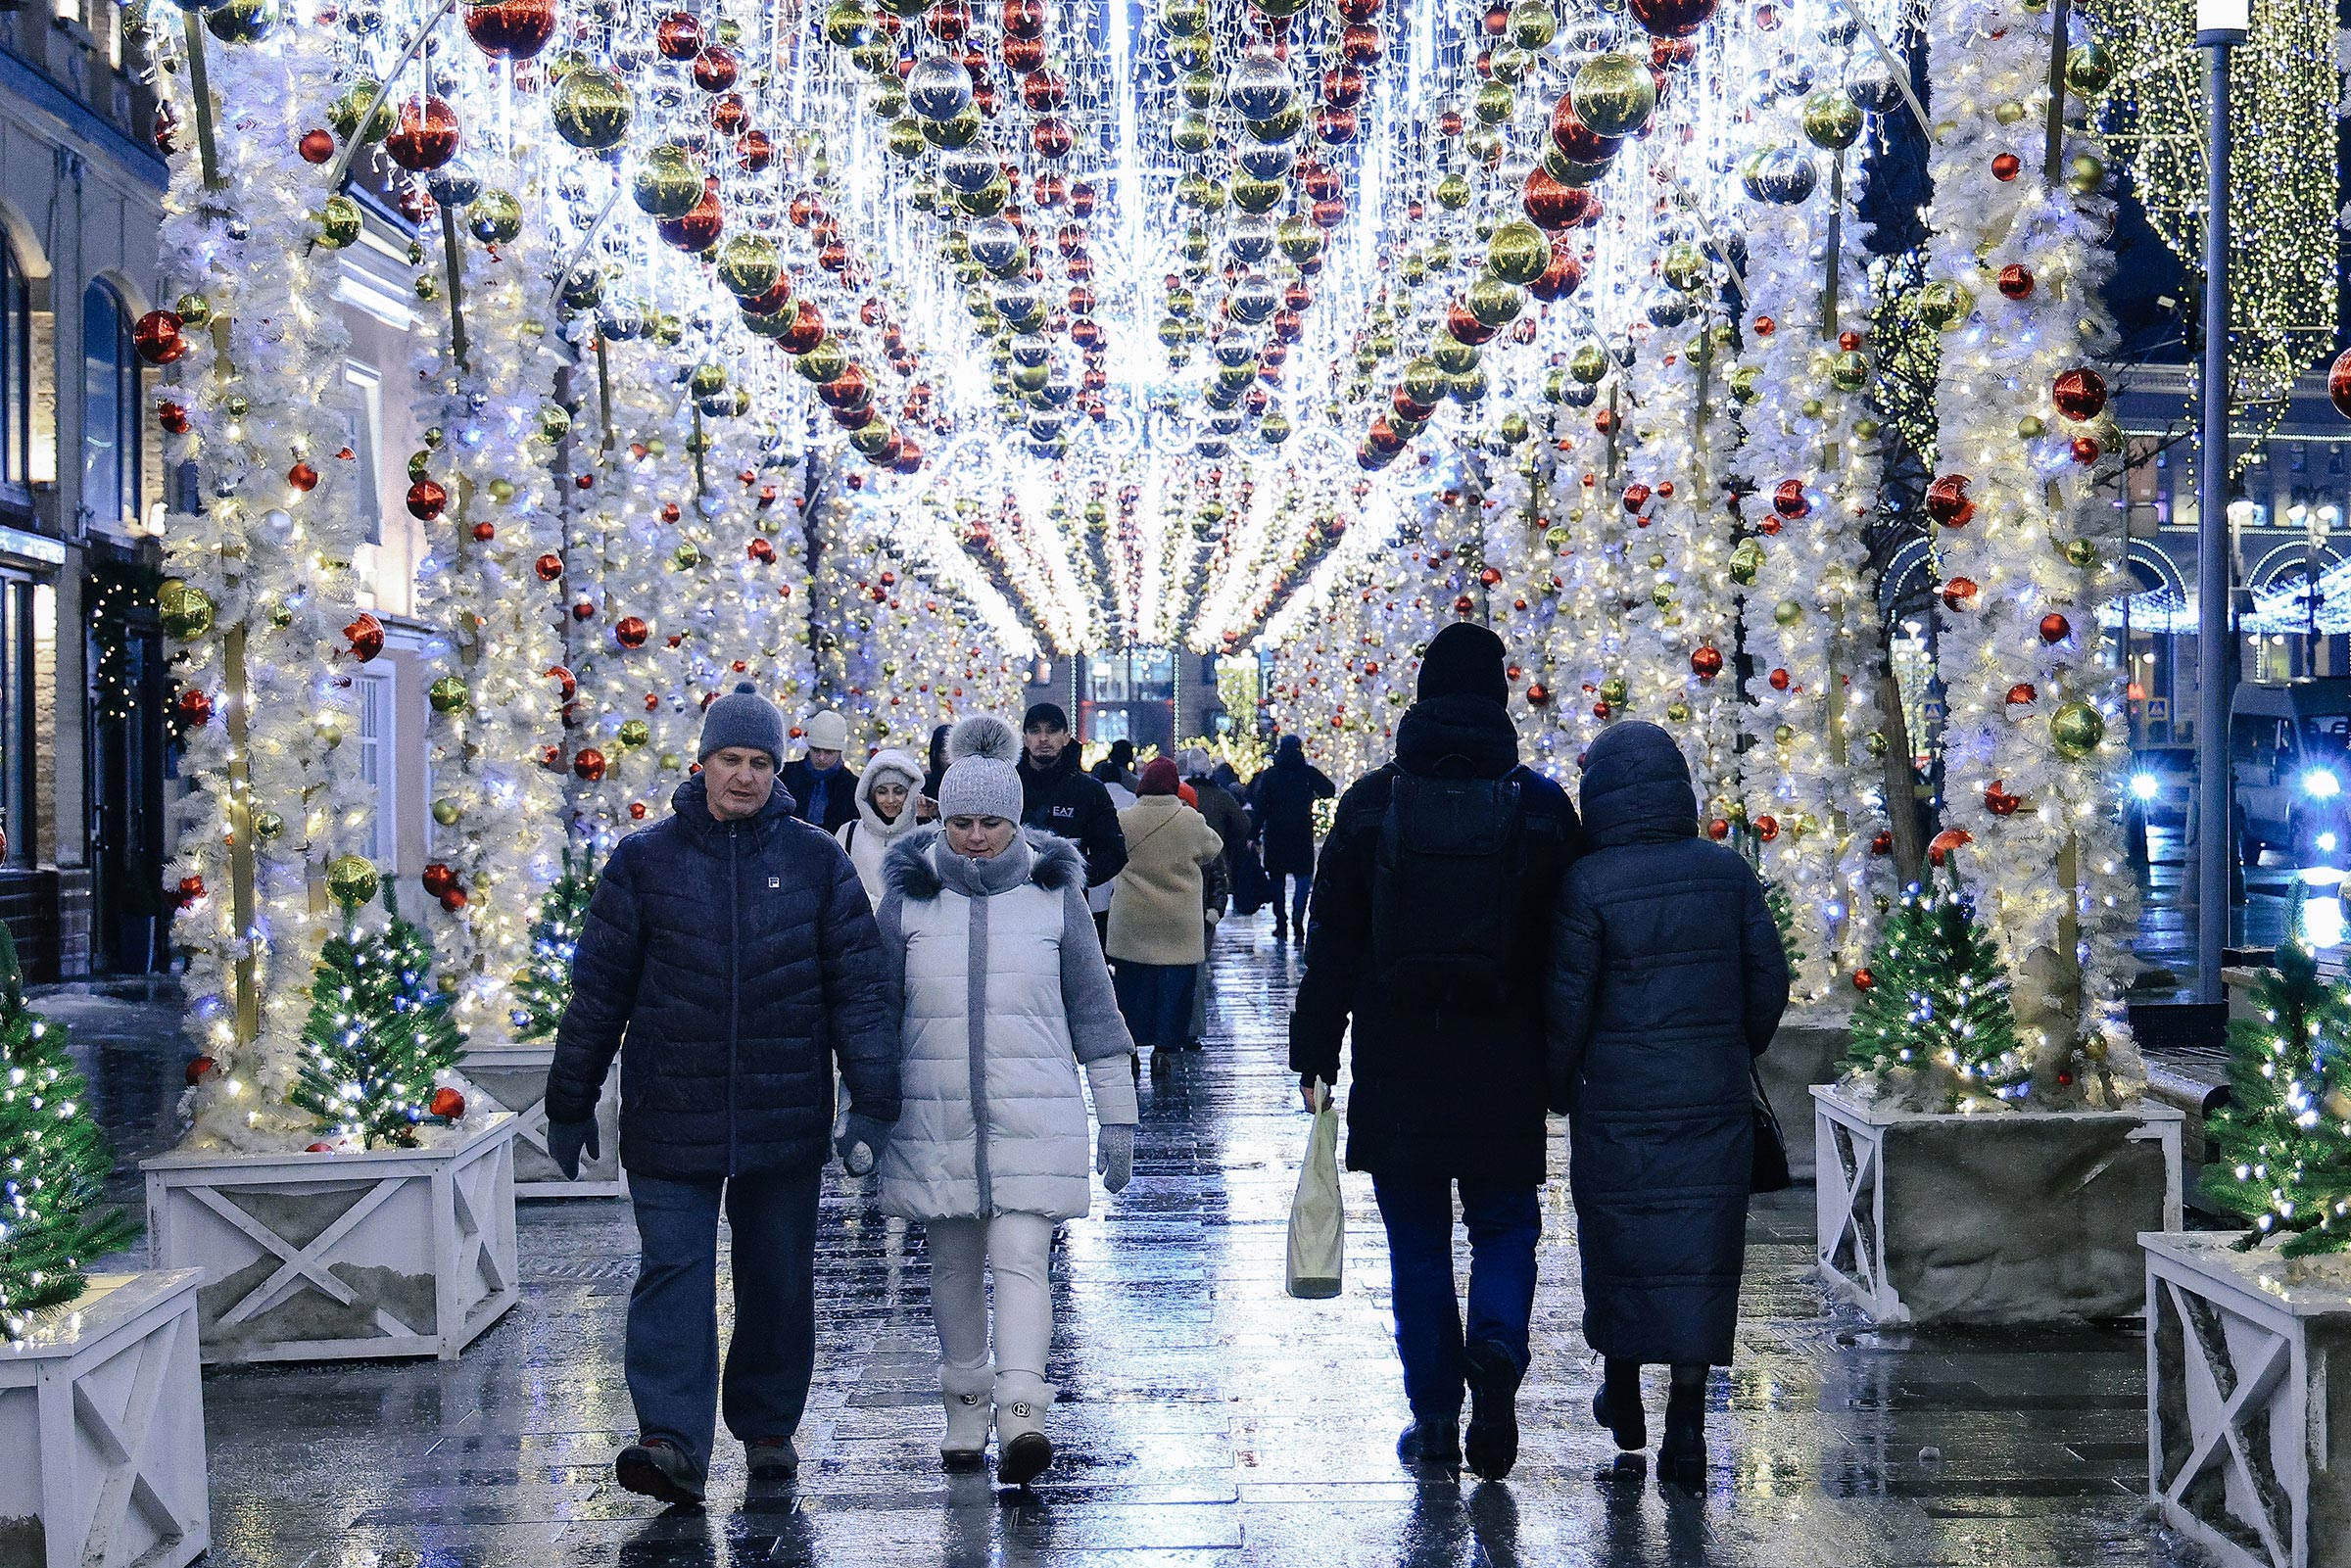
(1429, 929)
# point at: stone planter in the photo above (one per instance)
(328, 1257)
(102, 1420)
(514, 1077)
(2248, 1380)
(1808, 1049)
(1991, 1218)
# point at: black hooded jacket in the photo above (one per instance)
(1436, 1092)
(1666, 978)
(1062, 801)
(741, 962)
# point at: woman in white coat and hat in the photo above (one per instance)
(1007, 1006)
(886, 793)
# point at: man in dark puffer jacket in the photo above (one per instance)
(734, 947)
(1448, 1087)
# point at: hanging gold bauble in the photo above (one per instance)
(2089, 68)
(495, 217)
(668, 183)
(1943, 304)
(1518, 253)
(185, 609)
(1532, 24)
(447, 694)
(1495, 303)
(1849, 371)
(447, 812)
(242, 20)
(1494, 104)
(1685, 265)
(353, 882)
(1451, 355)
(749, 265)
(1832, 120)
(350, 113)
(591, 109)
(958, 130)
(267, 825)
(2075, 729)
(339, 223)
(1788, 612)
(849, 26)
(1613, 94)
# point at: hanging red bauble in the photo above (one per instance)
(426, 136)
(198, 1066)
(1552, 204)
(427, 500)
(2055, 628)
(195, 708)
(1947, 502)
(454, 900)
(728, 114)
(807, 330)
(366, 635)
(1706, 662)
(1863, 979)
(510, 29)
(549, 566)
(1576, 141)
(1882, 843)
(588, 764)
(1960, 594)
(1789, 501)
(715, 70)
(446, 1103)
(1636, 497)
(2021, 694)
(302, 477)
(1767, 827)
(2016, 280)
(438, 877)
(2338, 383)
(754, 151)
(760, 551)
(699, 229)
(156, 337)
(172, 416)
(679, 36)
(631, 632)
(1672, 19)
(1023, 19)
(317, 145)
(1559, 279)
(2080, 394)
(2083, 449)
(949, 24)
(1779, 679)
(2006, 167)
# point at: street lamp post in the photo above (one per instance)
(2221, 25)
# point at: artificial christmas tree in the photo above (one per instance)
(53, 1163)
(544, 988)
(379, 1035)
(1935, 1027)
(2281, 1147)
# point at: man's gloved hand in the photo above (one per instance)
(1113, 1157)
(565, 1140)
(861, 1143)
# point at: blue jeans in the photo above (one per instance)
(1504, 1223)
(672, 1354)
(1302, 884)
(1156, 1001)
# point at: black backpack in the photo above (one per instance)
(1445, 913)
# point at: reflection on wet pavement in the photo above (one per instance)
(1207, 1418)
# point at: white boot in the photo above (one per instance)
(1023, 1451)
(965, 1391)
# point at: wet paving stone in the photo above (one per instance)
(1208, 1419)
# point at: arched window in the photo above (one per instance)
(15, 368)
(110, 410)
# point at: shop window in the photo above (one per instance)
(376, 689)
(15, 368)
(112, 449)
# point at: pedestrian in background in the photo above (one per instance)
(1667, 980)
(1006, 1003)
(1431, 922)
(937, 771)
(1156, 932)
(730, 957)
(1057, 798)
(1230, 819)
(887, 795)
(1284, 798)
(822, 786)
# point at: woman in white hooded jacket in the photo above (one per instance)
(880, 823)
(1006, 1003)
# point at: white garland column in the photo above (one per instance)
(2030, 543)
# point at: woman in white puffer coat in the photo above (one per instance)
(886, 813)
(1006, 1003)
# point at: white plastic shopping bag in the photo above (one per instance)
(1317, 1218)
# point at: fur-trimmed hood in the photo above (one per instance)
(913, 871)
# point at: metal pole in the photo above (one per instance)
(2214, 820)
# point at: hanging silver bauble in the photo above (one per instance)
(1265, 161)
(1254, 298)
(1209, 449)
(1250, 237)
(969, 169)
(620, 320)
(363, 20)
(1044, 427)
(1224, 425)
(938, 87)
(1031, 349)
(1259, 86)
(1792, 77)
(995, 244)
(453, 185)
(1784, 176)
(1232, 349)
(1873, 87)
(1668, 308)
(1838, 29)
(1061, 390)
(1016, 299)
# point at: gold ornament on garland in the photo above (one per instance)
(353, 882)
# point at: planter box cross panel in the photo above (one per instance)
(102, 1430)
(1992, 1217)
(2248, 1390)
(1808, 1049)
(514, 1077)
(324, 1257)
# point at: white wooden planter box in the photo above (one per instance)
(1808, 1049)
(102, 1426)
(514, 1077)
(1994, 1217)
(329, 1257)
(2248, 1382)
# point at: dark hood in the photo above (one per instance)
(690, 800)
(1457, 738)
(1637, 789)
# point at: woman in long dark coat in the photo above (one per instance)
(1283, 797)
(1667, 980)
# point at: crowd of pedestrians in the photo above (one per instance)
(951, 972)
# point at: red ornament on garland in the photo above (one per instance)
(2338, 383)
(191, 888)
(447, 1103)
(1719, 829)
(2085, 450)
(2022, 693)
(1881, 844)
(1779, 679)
(2080, 394)
(549, 566)
(630, 632)
(1960, 594)
(1789, 501)
(2016, 280)
(2006, 167)
(365, 635)
(2055, 628)
(427, 500)
(1767, 827)
(1706, 662)
(1944, 842)
(195, 708)
(454, 900)
(1947, 502)
(199, 1065)
(1863, 979)
(302, 477)
(715, 70)
(1538, 695)
(172, 416)
(156, 337)
(484, 532)
(438, 877)
(317, 145)
(588, 764)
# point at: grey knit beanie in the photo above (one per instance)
(743, 718)
(981, 778)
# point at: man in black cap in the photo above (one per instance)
(1057, 798)
(1430, 930)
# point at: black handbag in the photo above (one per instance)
(1769, 1171)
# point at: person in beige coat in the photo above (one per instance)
(1156, 937)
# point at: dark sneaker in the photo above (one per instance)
(773, 1459)
(658, 1469)
(1436, 1443)
(1493, 1444)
